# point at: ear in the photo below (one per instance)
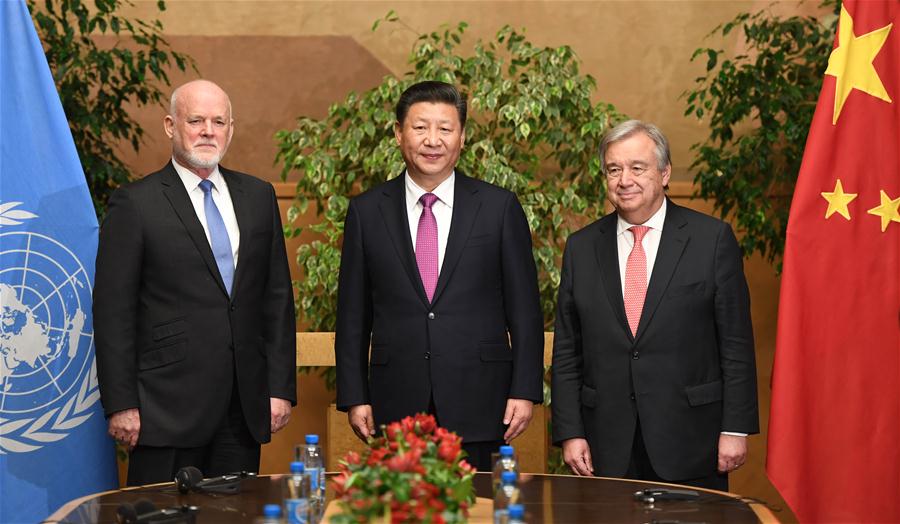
(462, 138)
(169, 125)
(230, 130)
(398, 132)
(665, 175)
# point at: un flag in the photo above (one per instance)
(53, 443)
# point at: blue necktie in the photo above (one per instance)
(218, 236)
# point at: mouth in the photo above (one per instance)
(213, 146)
(431, 156)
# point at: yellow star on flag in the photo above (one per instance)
(851, 63)
(888, 210)
(838, 200)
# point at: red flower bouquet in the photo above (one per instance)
(414, 472)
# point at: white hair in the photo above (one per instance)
(630, 128)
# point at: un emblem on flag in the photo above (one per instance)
(48, 378)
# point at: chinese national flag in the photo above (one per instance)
(834, 430)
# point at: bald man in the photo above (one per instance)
(193, 308)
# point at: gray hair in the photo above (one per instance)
(173, 102)
(628, 129)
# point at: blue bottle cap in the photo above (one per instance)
(508, 477)
(516, 511)
(297, 467)
(271, 510)
(506, 451)
(312, 439)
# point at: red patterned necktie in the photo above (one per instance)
(427, 245)
(635, 278)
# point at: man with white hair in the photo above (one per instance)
(193, 308)
(654, 374)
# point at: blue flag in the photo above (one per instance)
(53, 442)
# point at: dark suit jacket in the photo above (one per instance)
(455, 349)
(169, 338)
(691, 366)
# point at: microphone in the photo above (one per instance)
(190, 479)
(651, 495)
(144, 512)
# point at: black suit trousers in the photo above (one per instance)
(231, 449)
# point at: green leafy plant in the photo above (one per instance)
(95, 81)
(759, 105)
(533, 129)
(416, 472)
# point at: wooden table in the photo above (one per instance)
(547, 499)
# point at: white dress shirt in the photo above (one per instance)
(442, 209)
(220, 196)
(624, 242)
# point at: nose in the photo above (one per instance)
(432, 138)
(207, 129)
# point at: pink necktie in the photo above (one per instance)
(635, 278)
(427, 245)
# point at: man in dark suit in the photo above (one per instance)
(193, 307)
(437, 273)
(654, 375)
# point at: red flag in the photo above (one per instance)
(834, 429)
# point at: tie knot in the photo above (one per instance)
(639, 232)
(206, 185)
(428, 200)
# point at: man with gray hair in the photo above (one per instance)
(193, 306)
(654, 373)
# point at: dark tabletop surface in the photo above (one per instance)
(547, 499)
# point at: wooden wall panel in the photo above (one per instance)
(272, 80)
(283, 58)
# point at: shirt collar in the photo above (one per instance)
(444, 191)
(191, 181)
(655, 222)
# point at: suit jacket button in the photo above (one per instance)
(427, 355)
(632, 396)
(232, 307)
(634, 355)
(430, 315)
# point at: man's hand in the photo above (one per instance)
(361, 421)
(281, 413)
(125, 427)
(517, 417)
(732, 452)
(577, 454)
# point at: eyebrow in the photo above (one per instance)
(422, 119)
(630, 162)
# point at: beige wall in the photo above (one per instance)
(281, 59)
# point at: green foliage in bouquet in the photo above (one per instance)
(760, 105)
(532, 129)
(416, 472)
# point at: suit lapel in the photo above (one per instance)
(244, 218)
(607, 251)
(396, 220)
(671, 246)
(174, 191)
(466, 205)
